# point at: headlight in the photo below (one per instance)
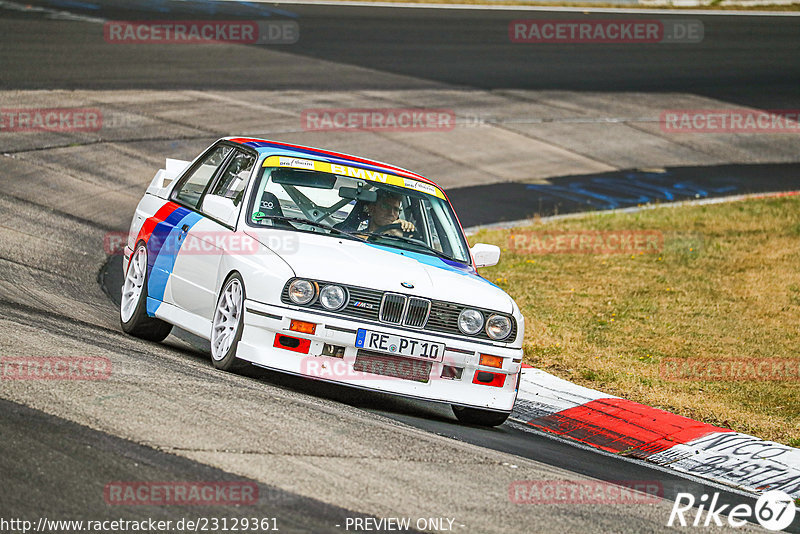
(332, 297)
(470, 321)
(498, 327)
(302, 291)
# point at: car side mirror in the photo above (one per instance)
(485, 255)
(220, 208)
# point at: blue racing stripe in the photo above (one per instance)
(162, 251)
(435, 261)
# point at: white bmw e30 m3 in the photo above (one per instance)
(323, 265)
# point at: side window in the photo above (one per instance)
(192, 187)
(436, 241)
(233, 181)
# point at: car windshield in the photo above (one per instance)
(413, 216)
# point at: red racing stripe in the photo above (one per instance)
(391, 168)
(622, 426)
(151, 222)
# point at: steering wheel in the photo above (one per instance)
(414, 234)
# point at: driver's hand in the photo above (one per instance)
(407, 226)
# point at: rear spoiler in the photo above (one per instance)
(162, 181)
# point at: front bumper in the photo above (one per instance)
(265, 327)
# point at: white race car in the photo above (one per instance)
(323, 265)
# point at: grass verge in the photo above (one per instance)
(724, 285)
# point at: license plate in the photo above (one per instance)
(400, 345)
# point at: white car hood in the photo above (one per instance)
(384, 268)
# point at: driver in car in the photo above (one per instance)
(385, 211)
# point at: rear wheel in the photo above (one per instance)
(476, 416)
(226, 326)
(133, 306)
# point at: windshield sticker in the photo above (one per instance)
(353, 172)
(420, 186)
(296, 163)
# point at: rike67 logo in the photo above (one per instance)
(774, 510)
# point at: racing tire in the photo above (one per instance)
(478, 417)
(227, 324)
(133, 306)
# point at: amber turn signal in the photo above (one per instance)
(492, 361)
(302, 326)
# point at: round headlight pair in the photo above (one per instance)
(498, 327)
(332, 297)
(302, 292)
(471, 321)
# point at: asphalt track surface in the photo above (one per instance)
(618, 189)
(52, 304)
(41, 453)
(748, 59)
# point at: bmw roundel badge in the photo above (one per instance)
(408, 285)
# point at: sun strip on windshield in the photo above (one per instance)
(353, 172)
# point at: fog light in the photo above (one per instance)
(486, 378)
(295, 344)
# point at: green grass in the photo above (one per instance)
(725, 285)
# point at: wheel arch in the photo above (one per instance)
(228, 276)
(263, 275)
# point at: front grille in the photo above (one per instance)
(395, 366)
(417, 312)
(363, 303)
(392, 307)
(373, 305)
(444, 318)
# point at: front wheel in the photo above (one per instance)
(133, 306)
(476, 416)
(226, 326)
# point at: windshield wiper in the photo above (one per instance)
(411, 241)
(306, 221)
